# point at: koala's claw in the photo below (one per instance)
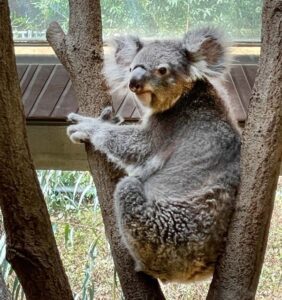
(117, 120)
(80, 131)
(77, 134)
(75, 118)
(106, 114)
(79, 137)
(71, 130)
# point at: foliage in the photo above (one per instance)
(67, 191)
(38, 14)
(241, 18)
(69, 196)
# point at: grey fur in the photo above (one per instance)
(182, 161)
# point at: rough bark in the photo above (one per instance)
(31, 247)
(237, 273)
(81, 52)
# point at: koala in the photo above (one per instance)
(182, 161)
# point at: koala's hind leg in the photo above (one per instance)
(132, 209)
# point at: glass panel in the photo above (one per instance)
(30, 18)
(150, 18)
(241, 19)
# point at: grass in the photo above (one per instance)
(86, 253)
(270, 285)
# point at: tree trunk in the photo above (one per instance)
(31, 247)
(237, 273)
(81, 52)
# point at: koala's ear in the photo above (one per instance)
(119, 53)
(207, 52)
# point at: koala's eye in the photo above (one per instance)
(162, 70)
(130, 69)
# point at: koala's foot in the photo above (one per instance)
(81, 131)
(129, 186)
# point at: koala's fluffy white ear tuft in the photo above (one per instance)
(119, 53)
(207, 51)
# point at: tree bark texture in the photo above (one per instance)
(31, 247)
(81, 52)
(237, 273)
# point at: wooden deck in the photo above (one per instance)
(47, 92)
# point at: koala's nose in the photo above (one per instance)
(136, 82)
(135, 85)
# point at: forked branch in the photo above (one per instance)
(81, 52)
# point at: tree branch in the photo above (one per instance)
(31, 247)
(82, 55)
(57, 37)
(81, 24)
(237, 273)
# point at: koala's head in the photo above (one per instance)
(158, 72)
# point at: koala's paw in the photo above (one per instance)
(81, 130)
(78, 137)
(117, 120)
(76, 118)
(107, 116)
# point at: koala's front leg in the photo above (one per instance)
(82, 132)
(126, 144)
(83, 128)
